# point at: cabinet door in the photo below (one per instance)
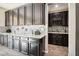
(59, 39)
(21, 16)
(65, 40)
(16, 44)
(37, 14)
(7, 18)
(2, 39)
(50, 39)
(28, 14)
(10, 42)
(65, 18)
(5, 40)
(34, 48)
(10, 18)
(25, 46)
(57, 18)
(15, 17)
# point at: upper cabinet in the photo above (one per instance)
(38, 14)
(58, 19)
(30, 14)
(21, 16)
(15, 17)
(6, 18)
(65, 18)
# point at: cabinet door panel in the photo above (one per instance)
(16, 44)
(9, 41)
(37, 14)
(1, 39)
(10, 18)
(15, 19)
(34, 48)
(21, 16)
(65, 18)
(65, 40)
(7, 18)
(5, 41)
(24, 46)
(29, 14)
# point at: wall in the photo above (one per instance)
(72, 29)
(77, 29)
(46, 24)
(2, 17)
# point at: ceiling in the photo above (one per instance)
(8, 6)
(57, 7)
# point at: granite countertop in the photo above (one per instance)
(24, 35)
(58, 32)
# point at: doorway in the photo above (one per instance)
(58, 29)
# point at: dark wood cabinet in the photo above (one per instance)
(65, 18)
(38, 14)
(30, 14)
(7, 17)
(35, 48)
(58, 39)
(58, 18)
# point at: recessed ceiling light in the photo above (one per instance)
(56, 6)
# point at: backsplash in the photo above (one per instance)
(30, 29)
(58, 29)
(3, 29)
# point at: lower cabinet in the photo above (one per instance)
(5, 41)
(58, 39)
(16, 44)
(24, 46)
(1, 39)
(35, 47)
(9, 41)
(28, 46)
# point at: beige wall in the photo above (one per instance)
(2, 17)
(77, 29)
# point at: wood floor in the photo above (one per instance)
(4, 51)
(55, 50)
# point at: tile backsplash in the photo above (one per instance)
(3, 29)
(28, 29)
(58, 29)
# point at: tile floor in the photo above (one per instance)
(4, 51)
(55, 50)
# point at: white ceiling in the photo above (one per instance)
(56, 7)
(11, 5)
